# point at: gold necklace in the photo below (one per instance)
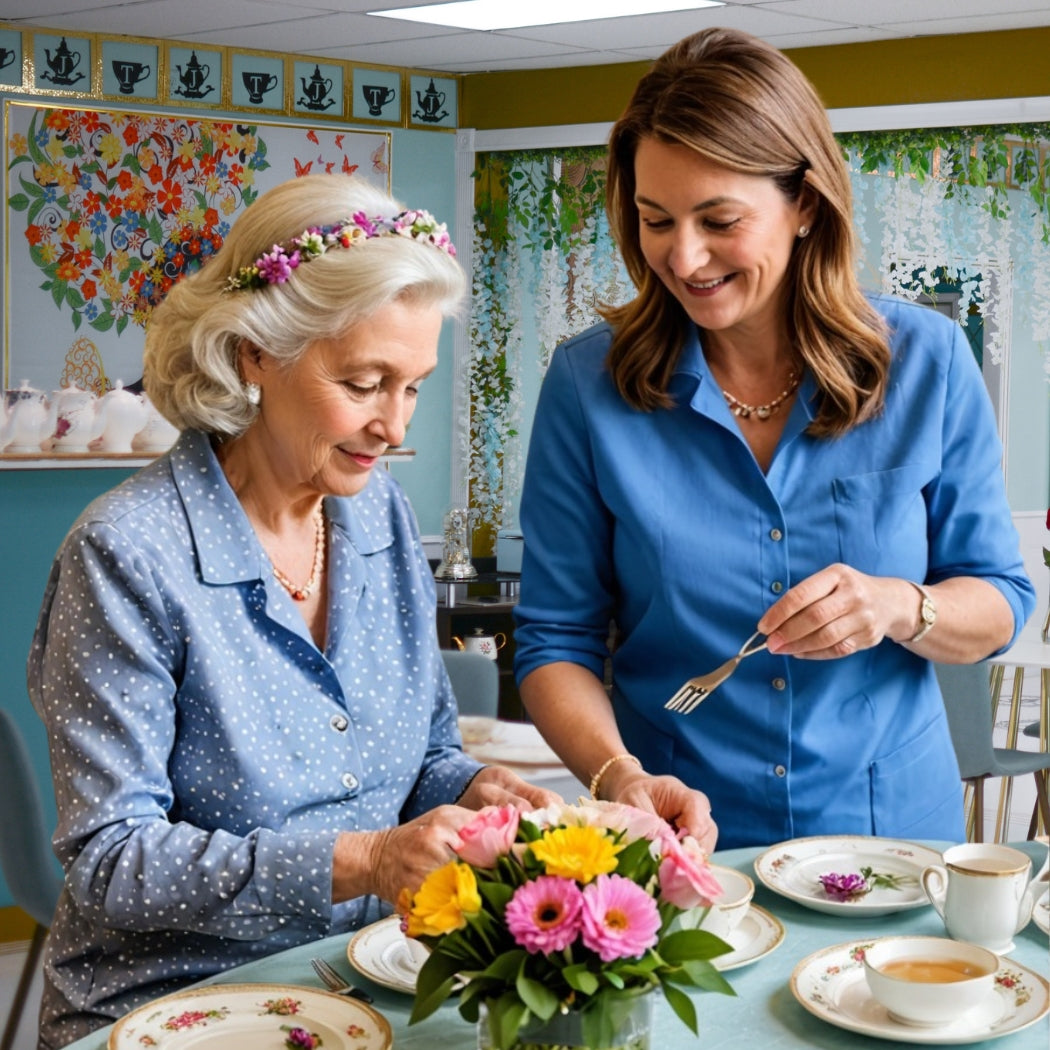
(763, 412)
(300, 594)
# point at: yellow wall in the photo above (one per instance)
(1010, 64)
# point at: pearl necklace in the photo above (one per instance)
(300, 594)
(763, 412)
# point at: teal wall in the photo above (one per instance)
(38, 506)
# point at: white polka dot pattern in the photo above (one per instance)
(205, 753)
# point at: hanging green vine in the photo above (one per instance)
(998, 157)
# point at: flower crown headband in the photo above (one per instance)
(276, 265)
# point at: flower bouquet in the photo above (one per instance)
(568, 910)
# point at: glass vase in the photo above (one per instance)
(564, 1031)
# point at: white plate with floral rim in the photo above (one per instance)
(511, 743)
(757, 934)
(251, 1017)
(793, 870)
(385, 955)
(830, 984)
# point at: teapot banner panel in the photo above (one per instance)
(87, 263)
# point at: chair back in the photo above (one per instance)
(968, 703)
(475, 682)
(26, 860)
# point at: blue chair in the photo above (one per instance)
(475, 682)
(26, 860)
(968, 703)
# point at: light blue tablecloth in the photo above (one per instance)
(764, 1013)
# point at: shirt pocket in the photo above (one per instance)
(916, 790)
(881, 520)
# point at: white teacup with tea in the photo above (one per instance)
(982, 893)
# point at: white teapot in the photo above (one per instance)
(158, 435)
(479, 642)
(74, 419)
(29, 420)
(120, 416)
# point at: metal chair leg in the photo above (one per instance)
(36, 946)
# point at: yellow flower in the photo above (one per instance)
(576, 853)
(447, 898)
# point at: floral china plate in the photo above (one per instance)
(794, 869)
(383, 954)
(830, 984)
(758, 934)
(251, 1017)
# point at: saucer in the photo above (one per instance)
(793, 870)
(758, 934)
(385, 955)
(830, 984)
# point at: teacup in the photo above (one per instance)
(726, 913)
(928, 981)
(982, 893)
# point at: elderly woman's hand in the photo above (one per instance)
(498, 786)
(387, 861)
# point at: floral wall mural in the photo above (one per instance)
(963, 208)
(106, 209)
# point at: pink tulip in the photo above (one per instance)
(488, 836)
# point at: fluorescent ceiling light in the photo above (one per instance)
(499, 14)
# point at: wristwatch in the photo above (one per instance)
(927, 613)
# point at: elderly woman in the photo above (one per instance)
(252, 735)
(753, 444)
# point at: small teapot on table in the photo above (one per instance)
(479, 642)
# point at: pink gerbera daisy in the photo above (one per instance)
(620, 920)
(544, 915)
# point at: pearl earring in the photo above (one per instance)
(803, 231)
(253, 392)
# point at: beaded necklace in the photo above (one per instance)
(300, 594)
(763, 412)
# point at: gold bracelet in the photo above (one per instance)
(596, 780)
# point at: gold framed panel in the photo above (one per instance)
(65, 64)
(377, 95)
(131, 69)
(195, 75)
(316, 88)
(14, 59)
(258, 82)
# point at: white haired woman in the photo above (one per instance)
(252, 735)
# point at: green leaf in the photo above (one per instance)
(537, 997)
(434, 984)
(19, 202)
(692, 944)
(580, 978)
(682, 1006)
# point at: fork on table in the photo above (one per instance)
(698, 689)
(335, 982)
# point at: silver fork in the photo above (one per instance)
(334, 982)
(698, 689)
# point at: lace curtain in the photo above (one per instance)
(962, 209)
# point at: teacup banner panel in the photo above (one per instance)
(106, 209)
(317, 88)
(258, 82)
(377, 95)
(130, 70)
(194, 75)
(11, 64)
(63, 63)
(432, 102)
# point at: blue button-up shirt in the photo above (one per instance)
(205, 753)
(664, 523)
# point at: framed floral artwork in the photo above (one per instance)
(107, 209)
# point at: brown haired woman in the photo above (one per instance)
(753, 444)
